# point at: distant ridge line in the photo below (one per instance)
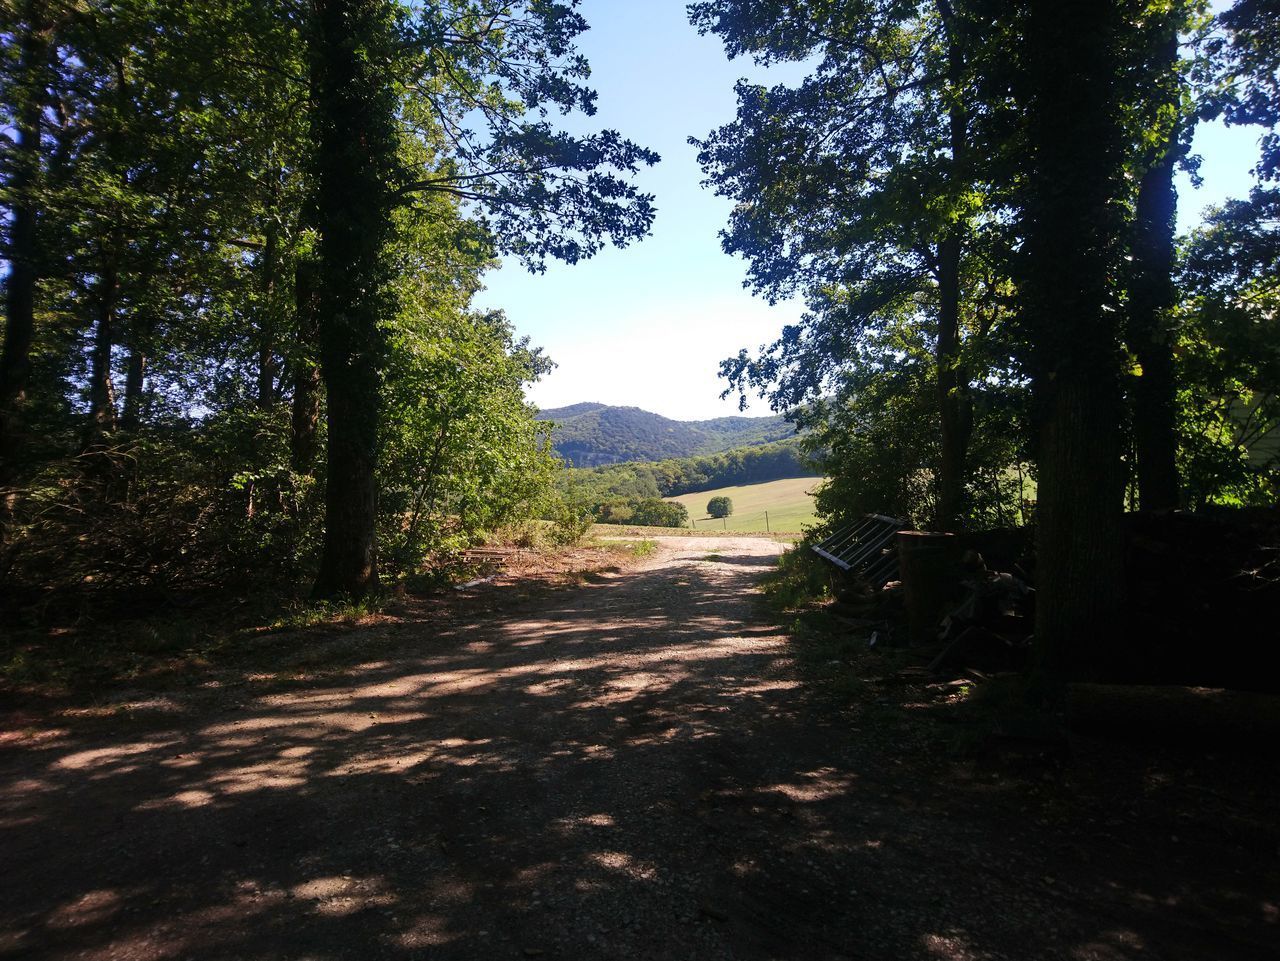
(591, 434)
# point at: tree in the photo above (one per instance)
(24, 102)
(858, 188)
(1165, 120)
(353, 47)
(1248, 55)
(266, 222)
(1229, 354)
(720, 506)
(1072, 220)
(539, 192)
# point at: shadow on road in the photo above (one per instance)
(629, 769)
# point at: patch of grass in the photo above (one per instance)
(89, 654)
(611, 531)
(628, 548)
(93, 654)
(789, 504)
(315, 613)
(800, 580)
(643, 548)
(714, 557)
(798, 593)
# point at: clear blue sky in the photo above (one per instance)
(647, 325)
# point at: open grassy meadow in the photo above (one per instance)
(789, 504)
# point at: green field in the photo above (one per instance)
(789, 504)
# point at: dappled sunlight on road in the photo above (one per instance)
(628, 768)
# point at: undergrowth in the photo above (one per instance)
(987, 715)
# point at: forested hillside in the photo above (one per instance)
(589, 435)
(590, 488)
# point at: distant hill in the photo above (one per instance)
(591, 435)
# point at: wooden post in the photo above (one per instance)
(929, 566)
(766, 523)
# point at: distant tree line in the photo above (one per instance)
(688, 475)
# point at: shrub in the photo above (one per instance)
(643, 511)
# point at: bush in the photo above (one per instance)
(652, 512)
(643, 512)
(719, 507)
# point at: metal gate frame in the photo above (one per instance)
(865, 547)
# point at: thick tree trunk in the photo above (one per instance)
(22, 252)
(1071, 250)
(355, 165)
(956, 418)
(954, 405)
(102, 391)
(1152, 294)
(305, 421)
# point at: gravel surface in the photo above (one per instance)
(629, 768)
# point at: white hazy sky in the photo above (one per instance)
(647, 326)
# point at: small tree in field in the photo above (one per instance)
(719, 507)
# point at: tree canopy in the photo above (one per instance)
(243, 234)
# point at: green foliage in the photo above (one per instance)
(877, 439)
(569, 524)
(178, 508)
(230, 194)
(1246, 53)
(860, 187)
(642, 512)
(800, 579)
(1229, 355)
(643, 548)
(719, 507)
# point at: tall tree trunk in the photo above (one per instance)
(1072, 237)
(268, 367)
(134, 385)
(22, 252)
(956, 416)
(141, 327)
(954, 404)
(305, 420)
(102, 391)
(1152, 294)
(355, 166)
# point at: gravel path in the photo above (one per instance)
(629, 769)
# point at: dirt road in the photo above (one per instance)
(628, 769)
